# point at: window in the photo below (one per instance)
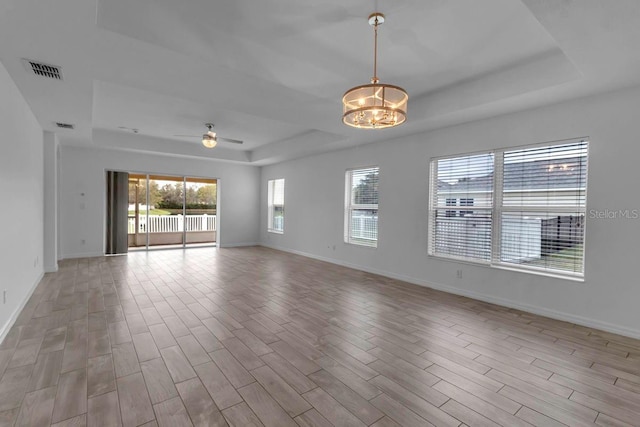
(528, 208)
(451, 202)
(462, 236)
(543, 207)
(361, 207)
(466, 202)
(275, 205)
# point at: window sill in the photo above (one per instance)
(275, 231)
(362, 245)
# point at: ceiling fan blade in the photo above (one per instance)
(189, 136)
(234, 141)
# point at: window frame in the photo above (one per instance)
(271, 206)
(350, 207)
(452, 211)
(497, 209)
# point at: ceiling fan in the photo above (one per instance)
(210, 139)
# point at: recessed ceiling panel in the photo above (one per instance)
(124, 108)
(325, 47)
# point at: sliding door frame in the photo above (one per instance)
(184, 181)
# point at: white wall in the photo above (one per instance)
(21, 166)
(82, 189)
(610, 295)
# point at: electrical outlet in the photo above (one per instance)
(83, 241)
(459, 274)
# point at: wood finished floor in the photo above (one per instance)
(252, 336)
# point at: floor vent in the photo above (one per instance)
(44, 70)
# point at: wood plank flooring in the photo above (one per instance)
(257, 337)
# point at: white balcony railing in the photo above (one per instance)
(172, 223)
(364, 227)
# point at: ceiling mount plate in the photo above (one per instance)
(376, 15)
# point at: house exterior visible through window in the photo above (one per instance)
(466, 202)
(451, 202)
(361, 207)
(275, 205)
(528, 213)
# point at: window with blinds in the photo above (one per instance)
(361, 206)
(462, 182)
(520, 208)
(275, 205)
(542, 214)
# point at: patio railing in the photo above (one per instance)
(172, 223)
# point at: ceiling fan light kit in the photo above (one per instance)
(375, 105)
(209, 139)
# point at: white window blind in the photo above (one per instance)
(542, 214)
(361, 206)
(275, 205)
(462, 182)
(522, 208)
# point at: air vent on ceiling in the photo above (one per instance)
(44, 70)
(65, 125)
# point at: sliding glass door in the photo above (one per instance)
(170, 211)
(137, 211)
(164, 222)
(200, 211)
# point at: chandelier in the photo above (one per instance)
(375, 105)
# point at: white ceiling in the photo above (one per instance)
(273, 73)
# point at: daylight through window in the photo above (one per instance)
(522, 208)
(275, 205)
(361, 207)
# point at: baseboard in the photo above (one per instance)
(14, 316)
(51, 268)
(553, 314)
(238, 245)
(84, 255)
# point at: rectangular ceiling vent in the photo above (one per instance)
(65, 125)
(44, 70)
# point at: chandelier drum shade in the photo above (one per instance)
(375, 105)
